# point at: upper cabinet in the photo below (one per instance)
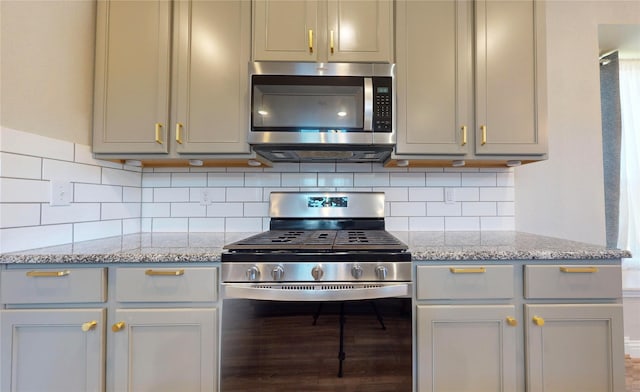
(323, 30)
(171, 77)
(471, 80)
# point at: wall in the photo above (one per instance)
(564, 196)
(46, 67)
(111, 199)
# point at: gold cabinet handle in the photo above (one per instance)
(331, 41)
(512, 321)
(477, 270)
(118, 326)
(539, 321)
(48, 274)
(179, 133)
(579, 270)
(159, 133)
(89, 325)
(483, 129)
(464, 135)
(151, 272)
(310, 41)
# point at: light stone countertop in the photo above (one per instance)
(207, 247)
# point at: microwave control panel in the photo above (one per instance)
(382, 104)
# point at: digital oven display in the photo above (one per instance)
(321, 201)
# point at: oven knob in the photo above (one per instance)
(277, 273)
(317, 272)
(253, 273)
(356, 271)
(381, 272)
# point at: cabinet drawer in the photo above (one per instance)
(53, 285)
(166, 284)
(572, 281)
(464, 282)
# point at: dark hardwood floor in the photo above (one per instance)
(271, 346)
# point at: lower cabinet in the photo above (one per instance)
(518, 327)
(466, 348)
(148, 329)
(52, 350)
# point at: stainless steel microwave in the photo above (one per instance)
(322, 111)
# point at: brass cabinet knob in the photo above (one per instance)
(539, 321)
(118, 326)
(89, 325)
(512, 321)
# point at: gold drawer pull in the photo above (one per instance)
(89, 325)
(579, 270)
(159, 133)
(483, 139)
(331, 41)
(118, 326)
(179, 133)
(512, 321)
(310, 41)
(48, 274)
(464, 135)
(477, 270)
(151, 272)
(539, 321)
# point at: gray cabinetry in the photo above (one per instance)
(171, 78)
(471, 80)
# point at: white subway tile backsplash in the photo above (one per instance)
(243, 224)
(500, 223)
(317, 167)
(147, 195)
(497, 194)
(188, 210)
(152, 180)
(452, 223)
(423, 223)
(69, 171)
(394, 194)
(407, 179)
(256, 209)
(213, 194)
(121, 177)
(156, 210)
(131, 226)
(478, 179)
(27, 143)
(19, 215)
(87, 193)
(353, 167)
(225, 209)
(371, 179)
(131, 194)
(34, 237)
(335, 179)
(225, 179)
(266, 192)
(262, 179)
(443, 179)
(93, 230)
(505, 179)
(506, 208)
(188, 179)
(20, 166)
(120, 211)
(211, 225)
(76, 212)
(244, 194)
(299, 179)
(467, 194)
(426, 194)
(407, 209)
(14, 190)
(170, 195)
(435, 208)
(171, 225)
(396, 223)
(479, 208)
(283, 167)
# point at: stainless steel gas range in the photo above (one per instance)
(320, 247)
(327, 256)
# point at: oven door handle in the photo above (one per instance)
(287, 293)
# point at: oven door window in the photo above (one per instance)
(307, 103)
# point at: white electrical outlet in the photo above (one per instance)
(205, 197)
(449, 195)
(60, 193)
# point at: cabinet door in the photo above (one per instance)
(434, 77)
(509, 77)
(574, 348)
(466, 348)
(285, 30)
(360, 31)
(49, 350)
(165, 350)
(211, 56)
(132, 79)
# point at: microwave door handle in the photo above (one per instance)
(368, 105)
